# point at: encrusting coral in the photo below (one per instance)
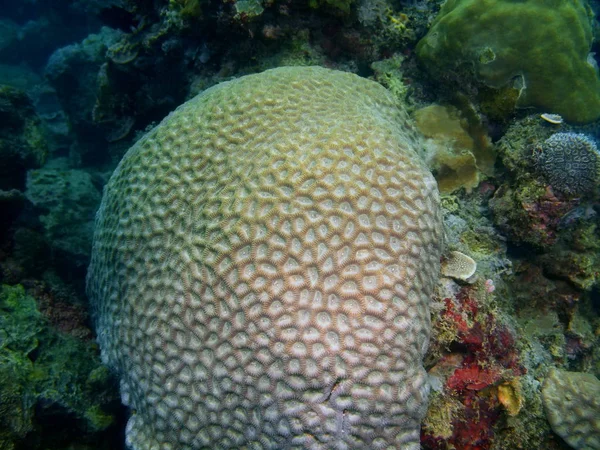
(450, 147)
(572, 404)
(262, 269)
(542, 44)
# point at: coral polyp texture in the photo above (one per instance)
(570, 162)
(572, 404)
(262, 268)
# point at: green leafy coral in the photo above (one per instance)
(540, 46)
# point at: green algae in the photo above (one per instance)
(45, 375)
(388, 72)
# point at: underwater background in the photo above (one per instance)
(505, 96)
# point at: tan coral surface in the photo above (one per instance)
(262, 267)
(458, 265)
(572, 404)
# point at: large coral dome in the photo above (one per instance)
(540, 47)
(262, 267)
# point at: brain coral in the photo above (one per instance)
(262, 266)
(570, 162)
(572, 404)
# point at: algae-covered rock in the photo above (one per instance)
(541, 47)
(341, 7)
(578, 267)
(67, 200)
(22, 138)
(74, 72)
(517, 146)
(388, 72)
(48, 378)
(529, 212)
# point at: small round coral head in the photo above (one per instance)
(554, 119)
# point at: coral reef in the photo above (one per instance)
(556, 319)
(495, 335)
(22, 147)
(8, 34)
(525, 207)
(161, 53)
(32, 30)
(469, 230)
(22, 138)
(559, 226)
(540, 48)
(553, 241)
(524, 316)
(47, 377)
(476, 362)
(19, 77)
(570, 162)
(555, 323)
(282, 259)
(73, 72)
(67, 200)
